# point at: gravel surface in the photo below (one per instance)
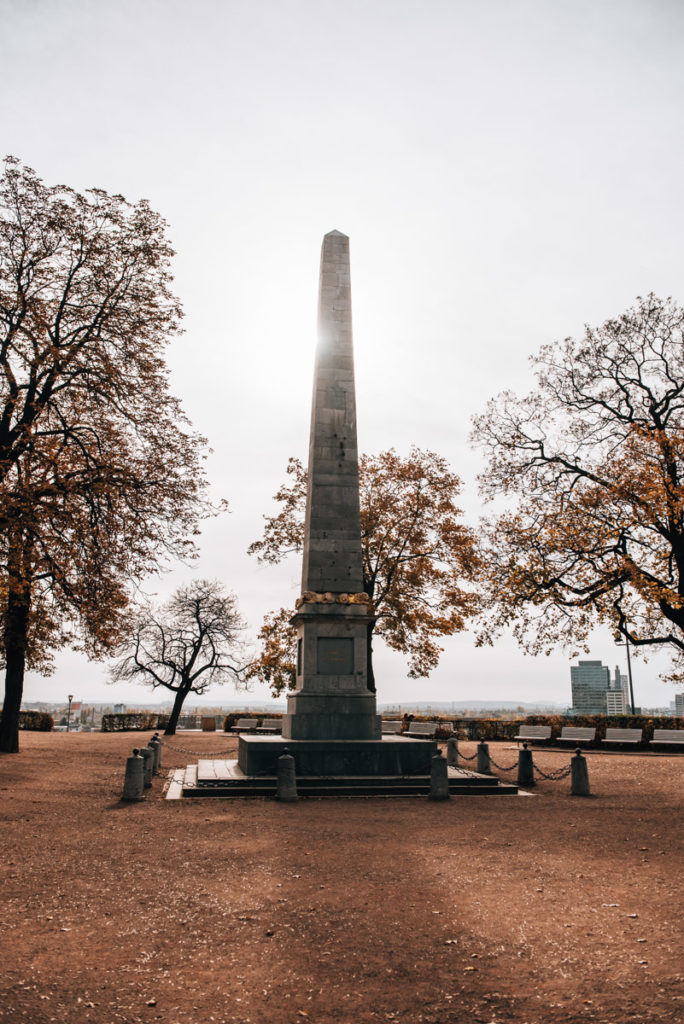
(534, 909)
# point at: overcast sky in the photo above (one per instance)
(507, 171)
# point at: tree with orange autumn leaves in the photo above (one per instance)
(419, 560)
(591, 467)
(100, 474)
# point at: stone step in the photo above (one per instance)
(225, 779)
(358, 790)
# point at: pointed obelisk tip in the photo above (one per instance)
(335, 234)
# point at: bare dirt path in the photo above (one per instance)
(482, 909)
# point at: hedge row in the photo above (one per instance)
(230, 719)
(132, 721)
(465, 728)
(35, 721)
(502, 729)
(496, 729)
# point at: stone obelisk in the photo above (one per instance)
(332, 727)
(332, 700)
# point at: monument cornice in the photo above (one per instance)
(314, 597)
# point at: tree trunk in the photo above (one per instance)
(15, 636)
(369, 667)
(181, 694)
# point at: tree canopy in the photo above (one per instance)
(101, 476)
(419, 560)
(186, 645)
(591, 468)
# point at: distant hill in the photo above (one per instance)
(453, 707)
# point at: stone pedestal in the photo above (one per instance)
(389, 756)
(332, 701)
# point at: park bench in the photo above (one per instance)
(672, 737)
(244, 725)
(533, 732)
(391, 728)
(422, 730)
(623, 736)
(271, 725)
(576, 734)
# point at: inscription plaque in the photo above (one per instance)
(335, 656)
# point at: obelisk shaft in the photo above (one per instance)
(332, 537)
(332, 701)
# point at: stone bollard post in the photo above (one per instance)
(483, 758)
(525, 767)
(155, 743)
(286, 786)
(452, 752)
(148, 757)
(439, 778)
(134, 781)
(579, 776)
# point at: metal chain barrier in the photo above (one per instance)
(555, 776)
(195, 753)
(502, 768)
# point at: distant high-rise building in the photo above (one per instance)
(679, 704)
(595, 693)
(616, 702)
(589, 680)
(617, 696)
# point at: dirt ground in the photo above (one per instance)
(534, 909)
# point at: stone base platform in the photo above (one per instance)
(226, 779)
(391, 755)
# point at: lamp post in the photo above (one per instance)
(629, 672)
(70, 697)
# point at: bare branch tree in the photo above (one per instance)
(188, 644)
